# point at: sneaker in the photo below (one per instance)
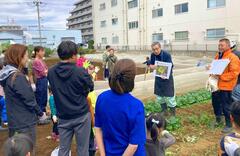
(227, 129)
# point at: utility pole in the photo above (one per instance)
(37, 3)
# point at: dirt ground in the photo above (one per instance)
(207, 140)
(206, 144)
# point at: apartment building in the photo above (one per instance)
(81, 19)
(138, 23)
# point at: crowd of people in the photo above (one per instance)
(116, 119)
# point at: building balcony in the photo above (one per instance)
(87, 33)
(79, 1)
(86, 26)
(80, 14)
(86, 5)
(79, 21)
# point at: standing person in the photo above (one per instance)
(3, 115)
(119, 117)
(105, 66)
(158, 139)
(236, 90)
(222, 99)
(163, 88)
(22, 109)
(111, 60)
(230, 144)
(40, 71)
(55, 133)
(70, 86)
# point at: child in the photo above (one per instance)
(119, 116)
(158, 139)
(55, 134)
(91, 98)
(40, 71)
(147, 69)
(3, 111)
(230, 143)
(18, 145)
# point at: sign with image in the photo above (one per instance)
(163, 69)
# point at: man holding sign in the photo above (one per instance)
(221, 99)
(161, 62)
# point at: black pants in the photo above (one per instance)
(222, 101)
(55, 128)
(42, 93)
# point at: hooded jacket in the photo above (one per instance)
(70, 86)
(22, 109)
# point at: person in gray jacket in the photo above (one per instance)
(158, 139)
(22, 108)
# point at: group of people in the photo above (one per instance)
(119, 121)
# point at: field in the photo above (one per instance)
(192, 127)
(194, 137)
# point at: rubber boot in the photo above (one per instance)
(173, 111)
(164, 109)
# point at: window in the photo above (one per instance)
(115, 40)
(181, 8)
(102, 6)
(157, 13)
(132, 4)
(133, 25)
(113, 3)
(156, 37)
(216, 3)
(104, 40)
(215, 33)
(114, 21)
(181, 35)
(103, 23)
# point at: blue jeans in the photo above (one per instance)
(3, 110)
(42, 92)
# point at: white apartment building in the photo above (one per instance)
(138, 23)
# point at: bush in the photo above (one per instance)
(83, 51)
(4, 46)
(91, 44)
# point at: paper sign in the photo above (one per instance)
(218, 66)
(163, 69)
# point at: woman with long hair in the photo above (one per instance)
(40, 71)
(22, 109)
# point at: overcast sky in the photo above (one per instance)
(53, 13)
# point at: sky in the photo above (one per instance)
(53, 13)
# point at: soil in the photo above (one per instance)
(207, 138)
(206, 144)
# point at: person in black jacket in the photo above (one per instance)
(22, 109)
(70, 86)
(163, 87)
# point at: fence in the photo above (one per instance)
(184, 49)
